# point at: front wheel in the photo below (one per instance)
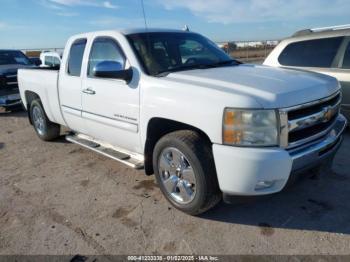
(45, 129)
(185, 171)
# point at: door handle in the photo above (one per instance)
(89, 91)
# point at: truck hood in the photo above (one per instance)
(9, 69)
(270, 87)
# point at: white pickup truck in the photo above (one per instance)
(173, 103)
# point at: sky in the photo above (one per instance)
(49, 23)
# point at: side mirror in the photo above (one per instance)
(113, 70)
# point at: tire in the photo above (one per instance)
(192, 186)
(44, 128)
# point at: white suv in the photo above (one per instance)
(322, 50)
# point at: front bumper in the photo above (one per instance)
(10, 100)
(241, 171)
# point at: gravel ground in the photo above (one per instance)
(57, 198)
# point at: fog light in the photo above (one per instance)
(264, 185)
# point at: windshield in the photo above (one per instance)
(169, 52)
(13, 58)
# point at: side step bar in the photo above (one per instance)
(106, 151)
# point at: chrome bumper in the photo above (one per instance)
(320, 151)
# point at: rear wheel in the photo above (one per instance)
(185, 171)
(45, 129)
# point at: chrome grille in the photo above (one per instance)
(309, 122)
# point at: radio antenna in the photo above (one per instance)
(144, 14)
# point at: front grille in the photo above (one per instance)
(299, 113)
(8, 82)
(307, 123)
(11, 81)
(2, 82)
(310, 131)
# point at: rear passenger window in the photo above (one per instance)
(346, 61)
(76, 57)
(311, 53)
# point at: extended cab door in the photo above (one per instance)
(70, 86)
(110, 106)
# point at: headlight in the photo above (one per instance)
(250, 127)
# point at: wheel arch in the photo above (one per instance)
(159, 127)
(29, 98)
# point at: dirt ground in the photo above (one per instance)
(57, 198)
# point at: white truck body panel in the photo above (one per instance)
(250, 166)
(270, 87)
(43, 83)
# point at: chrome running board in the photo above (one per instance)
(108, 151)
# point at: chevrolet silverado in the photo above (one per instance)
(171, 102)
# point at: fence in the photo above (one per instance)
(245, 51)
(249, 51)
(35, 52)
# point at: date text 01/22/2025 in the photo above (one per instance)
(173, 258)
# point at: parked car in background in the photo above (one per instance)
(50, 59)
(35, 60)
(10, 62)
(175, 104)
(323, 50)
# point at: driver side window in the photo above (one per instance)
(104, 49)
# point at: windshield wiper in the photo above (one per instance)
(197, 66)
(225, 63)
(181, 68)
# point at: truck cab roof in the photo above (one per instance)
(150, 30)
(131, 31)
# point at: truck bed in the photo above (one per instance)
(44, 82)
